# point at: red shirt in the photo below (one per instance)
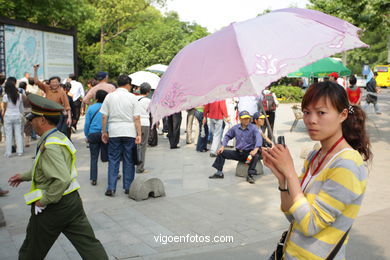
(353, 95)
(216, 110)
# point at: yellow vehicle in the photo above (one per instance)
(383, 79)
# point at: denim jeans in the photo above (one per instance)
(13, 125)
(96, 146)
(120, 148)
(216, 128)
(376, 107)
(202, 141)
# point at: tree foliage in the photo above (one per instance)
(373, 17)
(119, 36)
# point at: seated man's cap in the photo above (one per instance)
(244, 114)
(258, 115)
(334, 74)
(41, 106)
(101, 75)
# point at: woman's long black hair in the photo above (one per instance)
(11, 91)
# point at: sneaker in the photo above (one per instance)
(94, 182)
(139, 171)
(3, 192)
(216, 176)
(250, 179)
(109, 193)
(213, 155)
(126, 191)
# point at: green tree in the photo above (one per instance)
(60, 14)
(158, 41)
(373, 17)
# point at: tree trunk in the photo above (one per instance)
(101, 47)
(388, 51)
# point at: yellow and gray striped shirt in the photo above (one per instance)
(331, 203)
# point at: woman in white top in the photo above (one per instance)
(12, 114)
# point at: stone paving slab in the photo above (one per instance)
(196, 205)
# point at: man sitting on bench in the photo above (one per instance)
(248, 142)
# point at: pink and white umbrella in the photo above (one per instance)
(245, 57)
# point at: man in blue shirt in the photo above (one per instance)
(248, 142)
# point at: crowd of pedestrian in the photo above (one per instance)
(118, 128)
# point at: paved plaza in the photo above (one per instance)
(196, 206)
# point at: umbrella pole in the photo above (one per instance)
(268, 124)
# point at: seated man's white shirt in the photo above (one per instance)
(120, 107)
(144, 103)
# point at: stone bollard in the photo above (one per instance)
(242, 169)
(146, 185)
(2, 219)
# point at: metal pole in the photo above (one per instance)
(267, 121)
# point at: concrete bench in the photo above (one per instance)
(297, 114)
(145, 186)
(242, 169)
(2, 219)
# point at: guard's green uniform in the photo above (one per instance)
(63, 213)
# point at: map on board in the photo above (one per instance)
(23, 49)
(26, 47)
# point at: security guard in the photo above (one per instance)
(55, 202)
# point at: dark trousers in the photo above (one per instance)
(61, 126)
(202, 141)
(174, 122)
(165, 125)
(153, 136)
(77, 109)
(142, 146)
(236, 155)
(271, 120)
(96, 146)
(67, 217)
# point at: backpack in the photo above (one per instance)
(269, 104)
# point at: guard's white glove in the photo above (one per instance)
(39, 210)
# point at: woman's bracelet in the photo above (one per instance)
(282, 190)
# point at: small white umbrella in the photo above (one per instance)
(159, 68)
(139, 77)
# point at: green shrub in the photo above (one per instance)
(288, 94)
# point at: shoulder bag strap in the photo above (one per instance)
(97, 111)
(338, 246)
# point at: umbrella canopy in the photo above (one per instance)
(322, 68)
(243, 58)
(139, 77)
(158, 68)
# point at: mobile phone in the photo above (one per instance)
(281, 140)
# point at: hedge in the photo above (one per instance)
(288, 94)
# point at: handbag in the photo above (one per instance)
(137, 156)
(278, 253)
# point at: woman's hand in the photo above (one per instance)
(269, 163)
(279, 156)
